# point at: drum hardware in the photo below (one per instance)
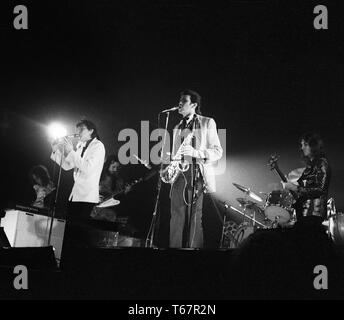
(232, 233)
(279, 203)
(226, 237)
(246, 203)
(278, 206)
(248, 217)
(248, 192)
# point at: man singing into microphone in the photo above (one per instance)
(87, 160)
(205, 148)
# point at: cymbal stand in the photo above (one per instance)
(223, 226)
(251, 219)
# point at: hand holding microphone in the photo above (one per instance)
(63, 144)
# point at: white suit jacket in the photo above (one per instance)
(87, 170)
(208, 148)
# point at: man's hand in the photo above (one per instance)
(68, 146)
(289, 186)
(56, 145)
(189, 151)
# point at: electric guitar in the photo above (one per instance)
(128, 187)
(117, 193)
(274, 166)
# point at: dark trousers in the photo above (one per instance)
(186, 226)
(78, 229)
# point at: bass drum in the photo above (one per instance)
(228, 241)
(244, 230)
(336, 228)
(235, 234)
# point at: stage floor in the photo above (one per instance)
(176, 274)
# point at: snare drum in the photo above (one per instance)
(278, 206)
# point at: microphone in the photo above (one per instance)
(75, 135)
(168, 110)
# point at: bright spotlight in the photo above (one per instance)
(57, 130)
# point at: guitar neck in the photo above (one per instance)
(284, 179)
(274, 166)
(122, 190)
(281, 175)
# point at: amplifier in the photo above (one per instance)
(25, 229)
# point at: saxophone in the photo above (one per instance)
(171, 172)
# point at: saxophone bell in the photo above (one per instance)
(171, 172)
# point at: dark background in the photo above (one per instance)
(265, 74)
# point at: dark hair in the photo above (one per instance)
(89, 125)
(194, 97)
(42, 173)
(315, 143)
(109, 159)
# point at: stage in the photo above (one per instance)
(168, 274)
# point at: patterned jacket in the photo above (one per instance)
(313, 188)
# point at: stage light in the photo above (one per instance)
(56, 130)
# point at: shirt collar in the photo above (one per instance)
(85, 143)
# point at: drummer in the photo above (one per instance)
(311, 190)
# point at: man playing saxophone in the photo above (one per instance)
(196, 145)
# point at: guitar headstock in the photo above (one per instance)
(273, 162)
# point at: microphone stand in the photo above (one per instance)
(151, 231)
(55, 199)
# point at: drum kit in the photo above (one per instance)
(275, 211)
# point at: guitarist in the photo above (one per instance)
(111, 180)
(111, 183)
(312, 189)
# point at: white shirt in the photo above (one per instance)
(87, 170)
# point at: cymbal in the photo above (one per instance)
(248, 192)
(241, 188)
